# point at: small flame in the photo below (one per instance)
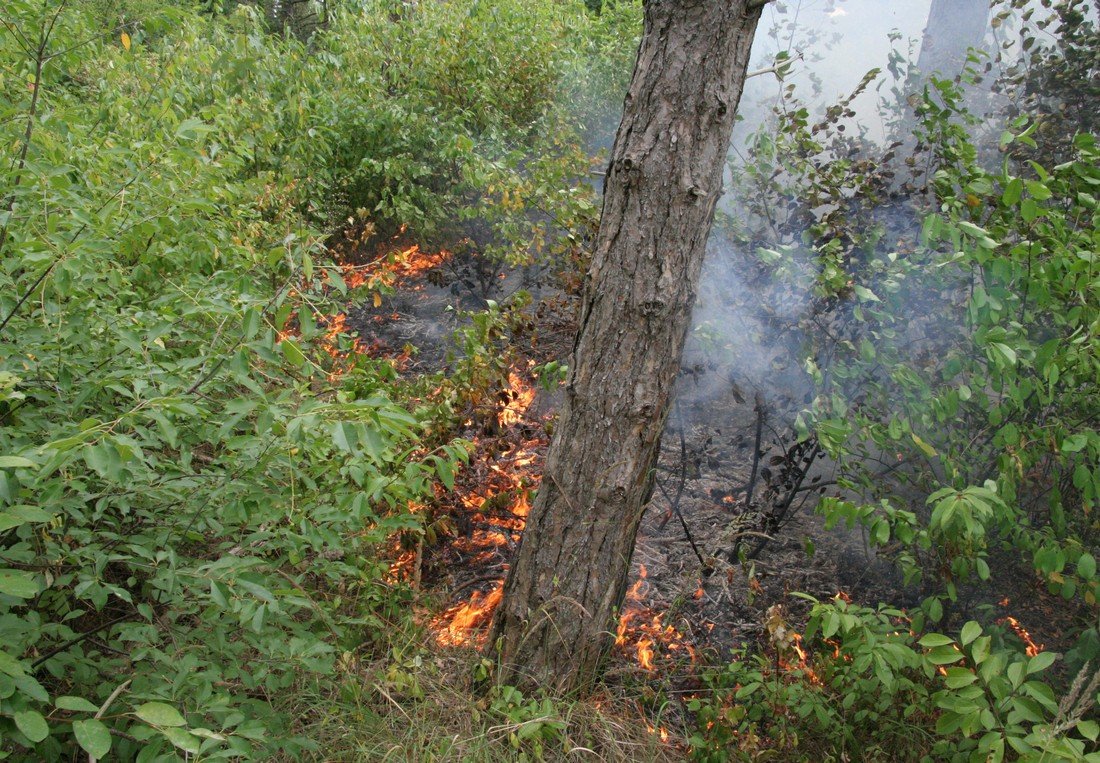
(502, 472)
(519, 394)
(396, 267)
(463, 624)
(521, 508)
(1030, 647)
(642, 631)
(660, 731)
(786, 642)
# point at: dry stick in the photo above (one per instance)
(20, 40)
(687, 533)
(780, 515)
(674, 504)
(750, 486)
(775, 68)
(76, 640)
(32, 112)
(114, 695)
(495, 577)
(103, 709)
(419, 564)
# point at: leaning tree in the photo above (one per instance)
(568, 579)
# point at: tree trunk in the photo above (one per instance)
(567, 582)
(954, 26)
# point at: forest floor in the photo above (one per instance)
(688, 604)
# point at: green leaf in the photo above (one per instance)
(16, 462)
(93, 736)
(927, 449)
(189, 129)
(1013, 192)
(258, 618)
(1075, 443)
(980, 650)
(1029, 210)
(21, 515)
(1088, 729)
(970, 631)
(1038, 191)
(251, 323)
(446, 473)
(1016, 673)
(293, 353)
(17, 583)
(219, 593)
(1005, 352)
(29, 513)
(98, 456)
(956, 678)
(1040, 662)
(983, 568)
(76, 704)
(182, 739)
(1086, 566)
(32, 724)
(944, 655)
(10, 666)
(865, 294)
(7, 521)
(935, 639)
(160, 714)
(345, 436)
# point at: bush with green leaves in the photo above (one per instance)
(996, 413)
(950, 332)
(866, 688)
(192, 499)
(447, 118)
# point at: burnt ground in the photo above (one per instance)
(688, 583)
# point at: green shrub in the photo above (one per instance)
(192, 502)
(950, 333)
(860, 685)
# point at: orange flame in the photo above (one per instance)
(456, 626)
(1030, 647)
(642, 631)
(398, 267)
(660, 731)
(502, 472)
(519, 397)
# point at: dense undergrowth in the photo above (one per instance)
(196, 489)
(199, 485)
(950, 331)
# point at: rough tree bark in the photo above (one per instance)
(556, 621)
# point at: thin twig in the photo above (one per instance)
(114, 695)
(32, 111)
(76, 640)
(761, 410)
(680, 490)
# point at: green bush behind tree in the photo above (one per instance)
(193, 504)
